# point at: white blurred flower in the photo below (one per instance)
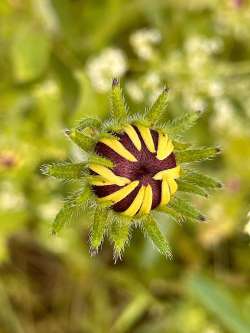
(10, 198)
(152, 85)
(135, 91)
(200, 44)
(102, 69)
(225, 117)
(195, 103)
(247, 226)
(147, 88)
(215, 88)
(151, 81)
(49, 210)
(143, 42)
(48, 87)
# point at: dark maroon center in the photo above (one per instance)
(144, 169)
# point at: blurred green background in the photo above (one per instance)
(57, 58)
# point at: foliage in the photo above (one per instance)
(57, 60)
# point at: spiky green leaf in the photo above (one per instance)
(119, 234)
(186, 209)
(180, 125)
(174, 215)
(98, 228)
(179, 145)
(74, 208)
(154, 113)
(153, 232)
(196, 155)
(184, 186)
(65, 170)
(88, 122)
(201, 180)
(85, 142)
(119, 108)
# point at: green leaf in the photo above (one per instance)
(98, 228)
(184, 186)
(75, 207)
(158, 108)
(119, 108)
(196, 155)
(201, 180)
(219, 301)
(185, 208)
(88, 122)
(179, 145)
(66, 170)
(153, 232)
(177, 217)
(30, 53)
(179, 125)
(119, 234)
(83, 141)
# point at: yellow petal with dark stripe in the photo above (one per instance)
(172, 185)
(115, 145)
(169, 173)
(165, 192)
(131, 132)
(147, 137)
(165, 147)
(120, 194)
(136, 204)
(147, 200)
(109, 175)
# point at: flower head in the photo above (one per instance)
(136, 165)
(144, 172)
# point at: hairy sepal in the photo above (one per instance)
(196, 155)
(75, 207)
(64, 170)
(153, 232)
(186, 209)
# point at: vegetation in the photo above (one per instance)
(57, 62)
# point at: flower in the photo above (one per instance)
(143, 41)
(144, 174)
(136, 165)
(101, 69)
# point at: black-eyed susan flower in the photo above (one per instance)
(136, 166)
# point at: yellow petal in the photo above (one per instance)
(131, 132)
(99, 181)
(120, 194)
(147, 138)
(172, 185)
(136, 204)
(165, 193)
(109, 175)
(169, 173)
(118, 148)
(165, 147)
(147, 200)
